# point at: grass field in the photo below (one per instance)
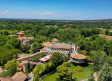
(78, 75)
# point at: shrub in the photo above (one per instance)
(84, 52)
(41, 70)
(58, 59)
(88, 59)
(38, 57)
(66, 64)
(79, 69)
(4, 74)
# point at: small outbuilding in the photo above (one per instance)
(78, 58)
(45, 59)
(54, 40)
(19, 76)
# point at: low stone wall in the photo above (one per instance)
(47, 74)
(29, 58)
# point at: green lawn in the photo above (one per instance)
(78, 75)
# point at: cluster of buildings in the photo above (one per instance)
(68, 49)
(24, 40)
(64, 48)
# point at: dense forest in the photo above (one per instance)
(83, 33)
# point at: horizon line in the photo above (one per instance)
(55, 19)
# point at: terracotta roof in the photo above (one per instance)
(24, 62)
(27, 40)
(44, 59)
(6, 79)
(78, 56)
(49, 44)
(61, 46)
(19, 76)
(22, 38)
(54, 40)
(46, 43)
(29, 56)
(21, 32)
(58, 51)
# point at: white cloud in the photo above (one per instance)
(31, 14)
(5, 12)
(47, 13)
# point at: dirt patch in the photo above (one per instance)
(106, 36)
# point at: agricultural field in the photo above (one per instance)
(106, 36)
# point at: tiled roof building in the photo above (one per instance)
(54, 40)
(78, 58)
(19, 76)
(24, 40)
(64, 48)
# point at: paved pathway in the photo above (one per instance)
(1, 69)
(30, 76)
(85, 79)
(95, 76)
(69, 61)
(23, 55)
(35, 63)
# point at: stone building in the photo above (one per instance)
(23, 61)
(78, 58)
(69, 49)
(64, 48)
(24, 40)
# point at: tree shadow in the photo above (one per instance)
(83, 64)
(74, 79)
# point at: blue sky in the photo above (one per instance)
(56, 9)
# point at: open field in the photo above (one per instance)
(78, 75)
(106, 36)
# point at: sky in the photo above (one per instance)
(56, 9)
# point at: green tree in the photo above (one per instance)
(108, 48)
(57, 59)
(3, 40)
(109, 59)
(98, 58)
(91, 78)
(84, 52)
(8, 52)
(11, 67)
(14, 42)
(107, 32)
(35, 47)
(65, 73)
(35, 76)
(4, 74)
(79, 68)
(104, 74)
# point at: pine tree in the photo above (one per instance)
(104, 74)
(34, 48)
(91, 78)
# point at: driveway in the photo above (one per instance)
(1, 70)
(30, 76)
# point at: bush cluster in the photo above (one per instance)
(79, 68)
(38, 57)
